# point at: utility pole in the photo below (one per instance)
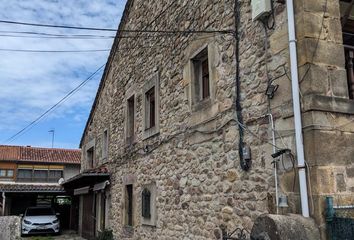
(53, 133)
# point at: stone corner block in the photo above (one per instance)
(279, 227)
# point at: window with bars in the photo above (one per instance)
(146, 203)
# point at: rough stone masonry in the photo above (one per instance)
(190, 158)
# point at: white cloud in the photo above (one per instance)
(32, 82)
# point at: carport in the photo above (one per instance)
(17, 197)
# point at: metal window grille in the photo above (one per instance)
(146, 200)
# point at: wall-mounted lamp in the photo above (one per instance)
(271, 89)
(283, 202)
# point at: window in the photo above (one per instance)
(151, 105)
(6, 173)
(90, 157)
(10, 173)
(129, 205)
(24, 175)
(105, 144)
(55, 175)
(201, 76)
(150, 108)
(43, 174)
(40, 175)
(145, 203)
(148, 205)
(130, 119)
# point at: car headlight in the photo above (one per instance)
(56, 221)
(27, 222)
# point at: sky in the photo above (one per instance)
(31, 83)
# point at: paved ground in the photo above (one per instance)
(63, 236)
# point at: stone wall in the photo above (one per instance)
(193, 160)
(195, 163)
(10, 228)
(327, 118)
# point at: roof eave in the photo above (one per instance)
(107, 67)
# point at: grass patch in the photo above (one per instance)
(41, 238)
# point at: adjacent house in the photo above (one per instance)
(30, 176)
(198, 126)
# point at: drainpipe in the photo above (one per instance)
(297, 109)
(271, 120)
(3, 203)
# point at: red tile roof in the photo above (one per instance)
(30, 188)
(42, 155)
(9, 153)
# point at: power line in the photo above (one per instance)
(52, 51)
(57, 26)
(75, 51)
(56, 34)
(34, 122)
(53, 36)
(115, 30)
(56, 37)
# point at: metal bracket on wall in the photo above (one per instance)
(237, 234)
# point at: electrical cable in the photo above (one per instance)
(81, 36)
(147, 149)
(69, 94)
(55, 34)
(75, 51)
(115, 30)
(53, 51)
(56, 37)
(245, 165)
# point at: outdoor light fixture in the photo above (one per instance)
(271, 89)
(281, 152)
(283, 202)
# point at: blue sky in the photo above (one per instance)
(30, 83)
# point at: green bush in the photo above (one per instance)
(105, 235)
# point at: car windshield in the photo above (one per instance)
(39, 212)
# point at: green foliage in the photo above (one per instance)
(105, 235)
(41, 238)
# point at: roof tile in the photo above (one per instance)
(30, 188)
(43, 155)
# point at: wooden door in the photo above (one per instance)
(88, 217)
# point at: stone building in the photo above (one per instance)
(182, 119)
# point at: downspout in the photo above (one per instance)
(3, 203)
(275, 163)
(297, 109)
